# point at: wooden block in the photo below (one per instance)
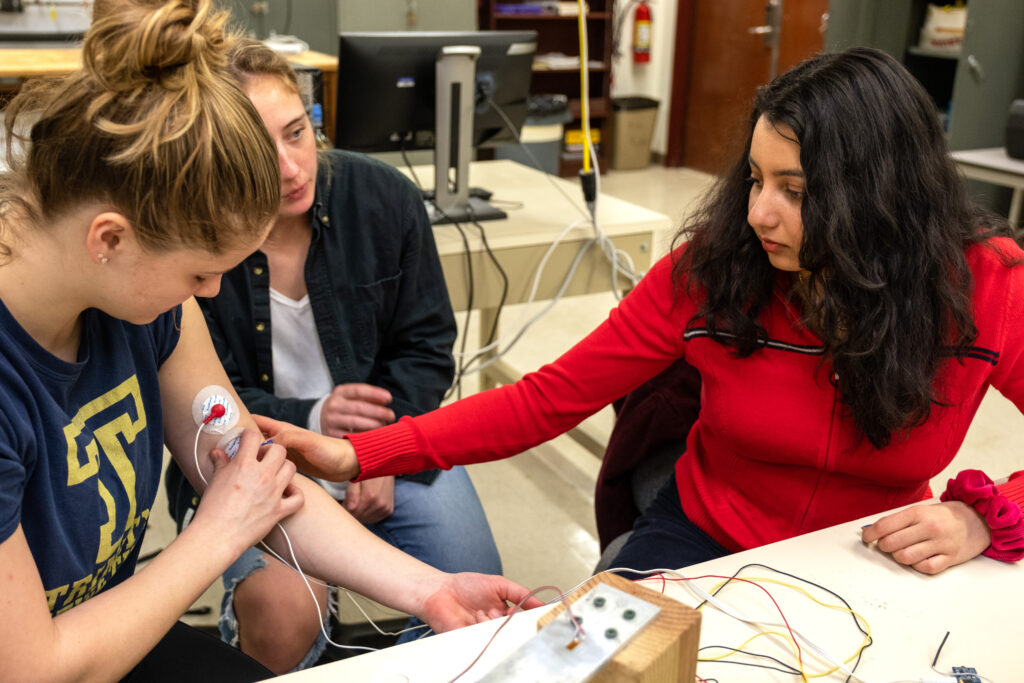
(664, 651)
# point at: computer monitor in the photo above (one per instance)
(389, 100)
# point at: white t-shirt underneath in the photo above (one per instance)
(298, 372)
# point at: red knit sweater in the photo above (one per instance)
(772, 454)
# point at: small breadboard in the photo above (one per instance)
(632, 634)
(966, 674)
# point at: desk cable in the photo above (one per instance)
(508, 341)
(591, 183)
(819, 650)
(621, 263)
(516, 336)
(590, 178)
(456, 385)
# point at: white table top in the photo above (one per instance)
(994, 158)
(48, 21)
(979, 603)
(537, 214)
(544, 211)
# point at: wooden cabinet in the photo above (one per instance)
(558, 34)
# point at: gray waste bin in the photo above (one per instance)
(632, 130)
(541, 135)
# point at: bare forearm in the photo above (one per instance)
(330, 544)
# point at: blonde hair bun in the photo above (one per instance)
(133, 43)
(153, 124)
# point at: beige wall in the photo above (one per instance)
(390, 15)
(653, 79)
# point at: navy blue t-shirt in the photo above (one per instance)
(81, 447)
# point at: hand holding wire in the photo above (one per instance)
(248, 494)
(468, 598)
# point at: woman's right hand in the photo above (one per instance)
(315, 454)
(248, 494)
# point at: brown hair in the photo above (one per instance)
(248, 58)
(153, 125)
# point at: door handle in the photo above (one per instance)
(770, 31)
(975, 69)
(772, 24)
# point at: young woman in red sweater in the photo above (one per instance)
(847, 308)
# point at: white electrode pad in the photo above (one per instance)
(230, 442)
(204, 402)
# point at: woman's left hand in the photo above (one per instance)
(467, 598)
(931, 537)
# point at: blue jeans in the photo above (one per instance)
(664, 538)
(441, 524)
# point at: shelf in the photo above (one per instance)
(550, 17)
(570, 70)
(934, 54)
(557, 35)
(598, 108)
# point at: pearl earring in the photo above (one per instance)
(103, 259)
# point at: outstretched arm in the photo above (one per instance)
(637, 342)
(328, 542)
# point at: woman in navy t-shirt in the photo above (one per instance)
(136, 183)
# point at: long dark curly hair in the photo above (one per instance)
(886, 220)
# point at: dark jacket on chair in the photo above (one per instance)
(652, 417)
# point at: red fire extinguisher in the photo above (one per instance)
(642, 33)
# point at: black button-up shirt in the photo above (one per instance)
(376, 288)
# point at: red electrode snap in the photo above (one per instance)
(216, 411)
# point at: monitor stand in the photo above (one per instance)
(473, 210)
(453, 115)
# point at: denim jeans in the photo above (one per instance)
(664, 538)
(443, 525)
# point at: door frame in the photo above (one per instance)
(678, 100)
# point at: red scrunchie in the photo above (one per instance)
(1003, 517)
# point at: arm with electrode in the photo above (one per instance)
(101, 638)
(327, 541)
